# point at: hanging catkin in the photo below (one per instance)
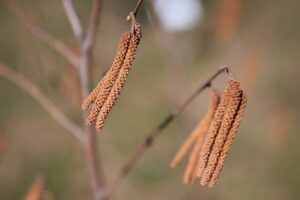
(191, 169)
(106, 83)
(121, 79)
(213, 130)
(187, 145)
(230, 137)
(227, 122)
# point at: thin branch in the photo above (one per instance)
(42, 35)
(137, 7)
(41, 98)
(74, 19)
(141, 149)
(93, 160)
(91, 33)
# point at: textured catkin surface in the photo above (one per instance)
(190, 171)
(229, 140)
(121, 79)
(213, 130)
(227, 122)
(106, 83)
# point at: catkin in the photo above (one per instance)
(190, 171)
(227, 122)
(213, 130)
(187, 145)
(106, 83)
(228, 142)
(121, 79)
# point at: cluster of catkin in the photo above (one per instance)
(213, 136)
(102, 99)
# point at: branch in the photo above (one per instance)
(42, 35)
(141, 149)
(73, 19)
(93, 160)
(93, 26)
(41, 98)
(137, 7)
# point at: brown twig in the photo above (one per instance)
(91, 33)
(93, 160)
(41, 98)
(141, 149)
(73, 19)
(42, 35)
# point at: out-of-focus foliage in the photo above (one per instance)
(261, 47)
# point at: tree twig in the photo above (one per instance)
(42, 35)
(73, 19)
(137, 7)
(86, 46)
(141, 149)
(41, 98)
(91, 32)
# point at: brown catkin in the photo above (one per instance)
(121, 79)
(213, 130)
(110, 76)
(227, 122)
(187, 145)
(230, 137)
(190, 171)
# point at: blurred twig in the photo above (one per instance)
(42, 35)
(74, 19)
(36, 189)
(41, 98)
(141, 149)
(85, 60)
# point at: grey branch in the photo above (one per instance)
(42, 35)
(73, 19)
(41, 98)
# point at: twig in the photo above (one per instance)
(74, 19)
(41, 98)
(42, 35)
(141, 149)
(91, 33)
(137, 7)
(93, 160)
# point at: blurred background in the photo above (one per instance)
(184, 43)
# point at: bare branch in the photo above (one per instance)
(42, 35)
(91, 33)
(74, 19)
(93, 160)
(141, 149)
(41, 98)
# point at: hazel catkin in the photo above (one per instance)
(105, 84)
(121, 79)
(227, 122)
(229, 140)
(213, 130)
(201, 130)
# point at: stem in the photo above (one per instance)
(42, 35)
(41, 98)
(93, 160)
(74, 19)
(141, 149)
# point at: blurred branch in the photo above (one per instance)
(36, 189)
(90, 37)
(141, 149)
(74, 19)
(137, 7)
(41, 98)
(42, 35)
(85, 60)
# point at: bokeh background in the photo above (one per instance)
(184, 43)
